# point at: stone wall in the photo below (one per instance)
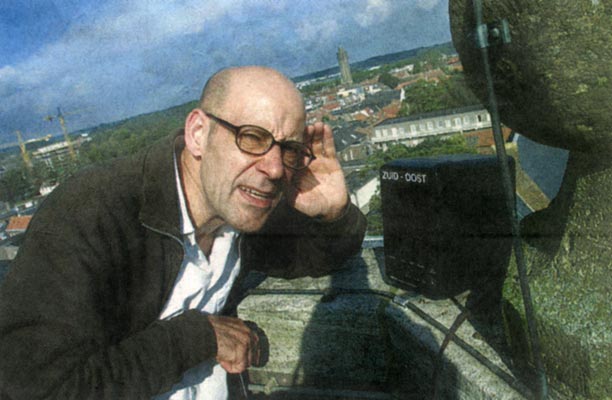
(366, 344)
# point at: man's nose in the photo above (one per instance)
(271, 163)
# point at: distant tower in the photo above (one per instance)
(345, 69)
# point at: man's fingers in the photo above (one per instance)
(328, 141)
(317, 138)
(321, 138)
(308, 132)
(254, 349)
(262, 348)
(233, 368)
(237, 343)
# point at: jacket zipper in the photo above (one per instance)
(179, 241)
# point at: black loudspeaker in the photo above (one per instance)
(445, 221)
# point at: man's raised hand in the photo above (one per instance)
(320, 190)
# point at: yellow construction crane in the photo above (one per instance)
(24, 151)
(62, 121)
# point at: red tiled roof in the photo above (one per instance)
(331, 106)
(392, 110)
(485, 136)
(18, 224)
(407, 83)
(452, 60)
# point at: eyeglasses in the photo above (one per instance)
(257, 141)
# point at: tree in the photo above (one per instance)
(363, 75)
(389, 80)
(313, 88)
(422, 96)
(458, 93)
(374, 216)
(15, 185)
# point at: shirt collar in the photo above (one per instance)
(186, 224)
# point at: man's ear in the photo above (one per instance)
(196, 131)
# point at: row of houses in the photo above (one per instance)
(357, 141)
(338, 100)
(412, 130)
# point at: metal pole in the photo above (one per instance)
(482, 34)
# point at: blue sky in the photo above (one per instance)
(105, 60)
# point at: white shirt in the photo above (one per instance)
(203, 283)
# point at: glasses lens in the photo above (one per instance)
(296, 155)
(257, 141)
(254, 140)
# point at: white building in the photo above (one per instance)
(351, 95)
(58, 155)
(406, 68)
(412, 130)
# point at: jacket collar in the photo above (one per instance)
(160, 208)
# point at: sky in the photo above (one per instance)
(105, 60)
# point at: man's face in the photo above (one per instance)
(240, 188)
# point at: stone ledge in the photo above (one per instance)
(367, 343)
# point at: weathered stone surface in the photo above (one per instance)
(569, 253)
(368, 343)
(318, 343)
(554, 80)
(554, 84)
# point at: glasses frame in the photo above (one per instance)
(235, 129)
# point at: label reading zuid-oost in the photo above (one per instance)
(410, 177)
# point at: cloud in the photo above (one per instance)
(124, 57)
(376, 11)
(99, 53)
(427, 4)
(7, 72)
(124, 26)
(128, 25)
(151, 22)
(324, 30)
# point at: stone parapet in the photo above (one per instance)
(352, 336)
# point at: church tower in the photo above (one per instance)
(345, 69)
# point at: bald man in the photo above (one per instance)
(127, 282)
